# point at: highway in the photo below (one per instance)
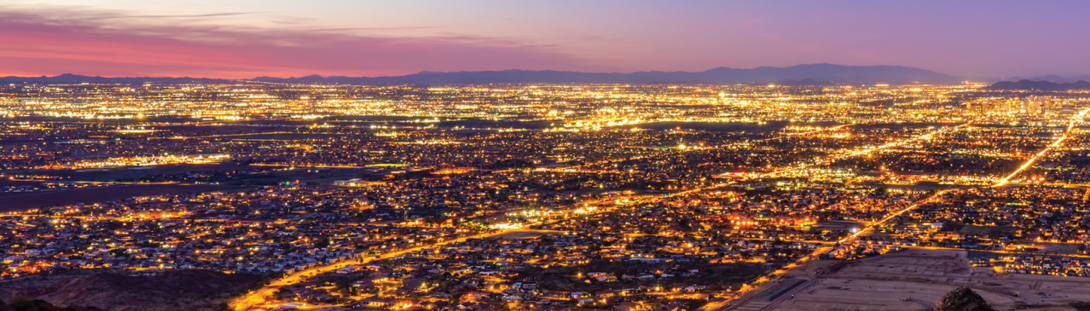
(256, 298)
(576, 168)
(742, 298)
(865, 150)
(1058, 141)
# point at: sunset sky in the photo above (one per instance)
(242, 39)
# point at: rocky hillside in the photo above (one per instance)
(21, 303)
(1039, 85)
(172, 290)
(962, 299)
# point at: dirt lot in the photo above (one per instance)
(915, 279)
(22, 201)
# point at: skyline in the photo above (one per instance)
(245, 39)
(595, 155)
(541, 197)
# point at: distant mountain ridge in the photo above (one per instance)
(72, 78)
(1054, 78)
(819, 74)
(1039, 85)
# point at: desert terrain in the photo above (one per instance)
(913, 279)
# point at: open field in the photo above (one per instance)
(325, 176)
(23, 201)
(18, 183)
(111, 174)
(915, 279)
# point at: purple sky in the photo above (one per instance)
(240, 39)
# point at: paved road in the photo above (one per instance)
(747, 294)
(743, 299)
(257, 297)
(1054, 144)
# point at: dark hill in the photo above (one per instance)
(819, 74)
(169, 291)
(21, 303)
(74, 79)
(1039, 85)
(962, 299)
(1056, 78)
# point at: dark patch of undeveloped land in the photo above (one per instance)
(22, 201)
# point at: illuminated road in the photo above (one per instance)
(1058, 141)
(572, 168)
(864, 151)
(257, 297)
(229, 135)
(780, 171)
(307, 165)
(893, 215)
(752, 288)
(739, 297)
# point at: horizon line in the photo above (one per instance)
(467, 71)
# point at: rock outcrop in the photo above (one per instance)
(25, 304)
(171, 290)
(962, 299)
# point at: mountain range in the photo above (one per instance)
(1039, 85)
(1054, 78)
(811, 74)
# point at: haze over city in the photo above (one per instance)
(245, 39)
(544, 156)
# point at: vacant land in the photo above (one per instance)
(114, 289)
(18, 183)
(917, 278)
(112, 174)
(24, 201)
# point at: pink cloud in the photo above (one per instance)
(40, 44)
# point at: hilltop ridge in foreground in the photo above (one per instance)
(170, 290)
